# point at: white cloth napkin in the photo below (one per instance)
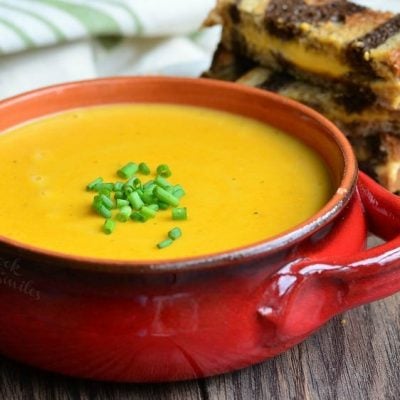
(44, 42)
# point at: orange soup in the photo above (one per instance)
(244, 181)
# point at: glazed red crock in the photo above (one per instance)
(174, 320)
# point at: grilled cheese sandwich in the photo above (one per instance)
(334, 42)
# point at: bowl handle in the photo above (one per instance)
(304, 295)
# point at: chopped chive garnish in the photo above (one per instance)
(164, 171)
(107, 201)
(175, 233)
(165, 243)
(104, 186)
(166, 197)
(178, 191)
(122, 203)
(135, 200)
(104, 191)
(134, 182)
(179, 213)
(97, 187)
(148, 185)
(102, 210)
(163, 206)
(124, 214)
(128, 189)
(109, 226)
(128, 170)
(119, 195)
(148, 197)
(161, 182)
(130, 181)
(96, 202)
(93, 184)
(118, 186)
(144, 168)
(148, 212)
(136, 216)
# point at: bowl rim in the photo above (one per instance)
(264, 247)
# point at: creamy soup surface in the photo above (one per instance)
(245, 181)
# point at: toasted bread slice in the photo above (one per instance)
(339, 104)
(328, 42)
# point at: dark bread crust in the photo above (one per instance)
(357, 51)
(283, 17)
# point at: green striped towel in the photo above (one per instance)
(26, 24)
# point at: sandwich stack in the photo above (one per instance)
(338, 57)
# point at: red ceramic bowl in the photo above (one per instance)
(163, 321)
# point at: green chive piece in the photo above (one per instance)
(124, 214)
(118, 186)
(161, 182)
(175, 233)
(128, 189)
(164, 171)
(135, 200)
(179, 213)
(134, 182)
(144, 168)
(148, 212)
(96, 202)
(102, 210)
(163, 206)
(119, 195)
(109, 226)
(165, 243)
(122, 203)
(104, 186)
(107, 201)
(148, 185)
(93, 184)
(178, 191)
(128, 170)
(136, 216)
(98, 187)
(154, 207)
(166, 197)
(148, 197)
(104, 191)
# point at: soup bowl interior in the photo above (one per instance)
(286, 115)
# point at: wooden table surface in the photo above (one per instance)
(355, 356)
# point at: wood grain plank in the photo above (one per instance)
(354, 357)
